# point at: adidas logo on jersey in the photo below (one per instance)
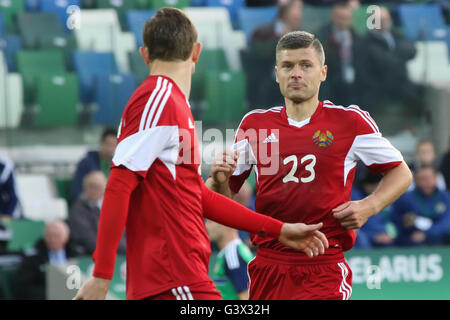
(271, 138)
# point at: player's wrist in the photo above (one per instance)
(373, 205)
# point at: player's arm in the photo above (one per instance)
(299, 236)
(354, 214)
(243, 295)
(221, 171)
(113, 217)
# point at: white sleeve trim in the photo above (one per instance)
(246, 157)
(371, 149)
(138, 151)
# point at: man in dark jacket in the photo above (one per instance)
(258, 59)
(346, 58)
(388, 53)
(95, 160)
(53, 249)
(85, 215)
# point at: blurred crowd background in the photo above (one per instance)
(64, 82)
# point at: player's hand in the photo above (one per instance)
(303, 237)
(224, 166)
(354, 214)
(93, 289)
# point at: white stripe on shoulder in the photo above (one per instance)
(155, 104)
(328, 104)
(365, 114)
(149, 103)
(161, 107)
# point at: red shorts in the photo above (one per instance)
(197, 291)
(288, 276)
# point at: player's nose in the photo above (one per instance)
(296, 72)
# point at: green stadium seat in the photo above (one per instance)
(225, 96)
(25, 233)
(138, 67)
(62, 185)
(33, 26)
(212, 60)
(10, 9)
(315, 17)
(66, 44)
(57, 100)
(33, 63)
(156, 4)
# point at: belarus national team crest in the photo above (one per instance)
(323, 139)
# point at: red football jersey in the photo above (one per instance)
(305, 169)
(167, 243)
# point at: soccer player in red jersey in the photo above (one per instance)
(155, 188)
(304, 155)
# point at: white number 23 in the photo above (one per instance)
(309, 167)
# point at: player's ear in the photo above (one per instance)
(324, 73)
(276, 75)
(196, 51)
(144, 54)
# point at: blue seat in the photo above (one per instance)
(33, 5)
(10, 44)
(112, 95)
(89, 65)
(232, 6)
(60, 8)
(136, 20)
(252, 18)
(422, 22)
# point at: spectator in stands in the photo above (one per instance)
(425, 155)
(422, 216)
(95, 160)
(388, 53)
(9, 201)
(375, 232)
(85, 214)
(54, 249)
(262, 89)
(346, 57)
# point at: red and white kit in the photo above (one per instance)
(156, 191)
(303, 171)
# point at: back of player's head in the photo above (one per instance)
(169, 35)
(301, 40)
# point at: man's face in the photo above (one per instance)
(342, 17)
(293, 17)
(108, 147)
(299, 73)
(55, 237)
(425, 153)
(425, 180)
(95, 186)
(385, 20)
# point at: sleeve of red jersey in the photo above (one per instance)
(146, 132)
(225, 211)
(113, 217)
(369, 146)
(246, 159)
